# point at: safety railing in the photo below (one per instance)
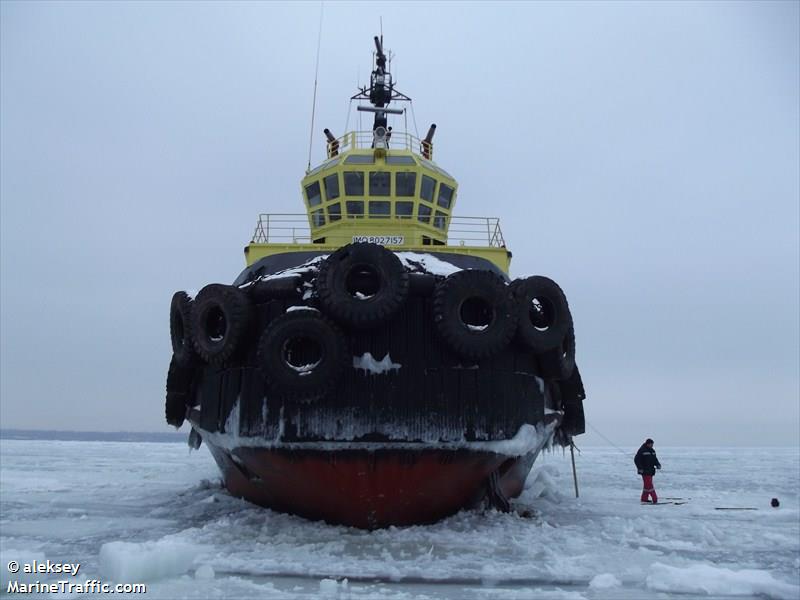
(282, 229)
(296, 229)
(365, 140)
(475, 231)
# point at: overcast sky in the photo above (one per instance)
(645, 156)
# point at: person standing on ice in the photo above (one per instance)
(646, 464)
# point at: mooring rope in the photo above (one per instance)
(606, 439)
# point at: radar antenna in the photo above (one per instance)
(381, 92)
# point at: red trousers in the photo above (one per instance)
(647, 488)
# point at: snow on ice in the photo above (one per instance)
(709, 579)
(155, 513)
(134, 562)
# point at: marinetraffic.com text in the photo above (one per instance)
(62, 586)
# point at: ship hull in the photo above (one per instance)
(371, 488)
(404, 421)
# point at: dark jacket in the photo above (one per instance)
(646, 460)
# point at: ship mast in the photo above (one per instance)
(380, 93)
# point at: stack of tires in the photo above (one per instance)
(303, 352)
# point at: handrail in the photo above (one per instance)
(294, 228)
(365, 140)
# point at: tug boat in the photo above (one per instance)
(374, 364)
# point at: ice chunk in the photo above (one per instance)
(328, 587)
(703, 578)
(147, 561)
(541, 483)
(204, 572)
(604, 581)
(331, 587)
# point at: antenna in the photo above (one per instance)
(314, 102)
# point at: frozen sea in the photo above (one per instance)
(154, 513)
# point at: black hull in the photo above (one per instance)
(404, 440)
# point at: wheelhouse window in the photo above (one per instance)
(440, 220)
(353, 183)
(424, 214)
(318, 218)
(334, 212)
(445, 195)
(379, 183)
(313, 194)
(426, 190)
(355, 207)
(404, 209)
(380, 208)
(405, 184)
(331, 187)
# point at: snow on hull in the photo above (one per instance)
(414, 262)
(369, 364)
(527, 439)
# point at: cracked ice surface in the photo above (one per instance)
(154, 513)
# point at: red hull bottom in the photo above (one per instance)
(370, 488)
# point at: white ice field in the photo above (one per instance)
(154, 513)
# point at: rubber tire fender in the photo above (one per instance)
(559, 362)
(572, 397)
(544, 329)
(221, 318)
(421, 284)
(309, 336)
(370, 267)
(475, 295)
(265, 290)
(180, 328)
(180, 379)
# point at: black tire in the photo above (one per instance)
(221, 318)
(291, 344)
(180, 328)
(421, 284)
(572, 397)
(278, 288)
(544, 317)
(559, 363)
(179, 388)
(362, 284)
(475, 313)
